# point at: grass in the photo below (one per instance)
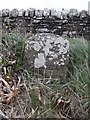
(46, 98)
(79, 73)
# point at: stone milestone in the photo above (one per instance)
(48, 54)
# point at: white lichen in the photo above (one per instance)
(37, 46)
(47, 47)
(40, 61)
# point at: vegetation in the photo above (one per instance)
(22, 95)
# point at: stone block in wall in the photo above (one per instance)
(0, 13)
(46, 12)
(27, 13)
(42, 30)
(83, 14)
(64, 12)
(48, 54)
(7, 21)
(89, 7)
(59, 14)
(74, 12)
(38, 13)
(21, 13)
(56, 14)
(14, 13)
(53, 13)
(32, 12)
(4, 12)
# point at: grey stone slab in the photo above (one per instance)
(49, 52)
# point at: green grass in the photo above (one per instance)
(79, 73)
(13, 50)
(42, 97)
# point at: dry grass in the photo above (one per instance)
(29, 97)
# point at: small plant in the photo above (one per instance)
(13, 53)
(11, 91)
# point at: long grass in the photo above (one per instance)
(79, 74)
(45, 98)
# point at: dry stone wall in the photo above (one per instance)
(46, 49)
(72, 23)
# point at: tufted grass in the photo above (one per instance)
(79, 74)
(43, 98)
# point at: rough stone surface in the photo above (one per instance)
(46, 12)
(27, 13)
(38, 13)
(53, 13)
(49, 52)
(83, 14)
(32, 12)
(42, 30)
(59, 14)
(14, 13)
(89, 7)
(5, 12)
(64, 13)
(73, 12)
(21, 12)
(71, 23)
